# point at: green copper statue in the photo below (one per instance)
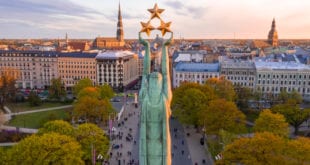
(155, 97)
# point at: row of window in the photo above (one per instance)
(288, 89)
(276, 82)
(285, 76)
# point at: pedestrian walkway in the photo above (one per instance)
(124, 138)
(198, 152)
(42, 110)
(23, 130)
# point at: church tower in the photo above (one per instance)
(120, 32)
(273, 35)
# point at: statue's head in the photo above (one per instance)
(155, 86)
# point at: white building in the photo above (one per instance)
(239, 72)
(117, 68)
(273, 77)
(194, 72)
(36, 68)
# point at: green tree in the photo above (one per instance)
(56, 89)
(106, 91)
(92, 109)
(189, 105)
(294, 115)
(50, 148)
(243, 94)
(83, 83)
(91, 137)
(223, 88)
(57, 126)
(222, 114)
(270, 122)
(34, 99)
(8, 78)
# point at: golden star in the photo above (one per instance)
(155, 11)
(147, 28)
(164, 27)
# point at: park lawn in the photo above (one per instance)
(37, 119)
(21, 107)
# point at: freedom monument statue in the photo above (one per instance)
(155, 96)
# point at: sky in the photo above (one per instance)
(201, 19)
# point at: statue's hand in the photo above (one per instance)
(169, 40)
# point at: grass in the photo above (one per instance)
(21, 107)
(36, 120)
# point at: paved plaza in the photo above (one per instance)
(186, 147)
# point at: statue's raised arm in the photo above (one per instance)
(146, 60)
(165, 68)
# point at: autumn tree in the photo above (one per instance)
(83, 83)
(92, 109)
(292, 112)
(91, 137)
(8, 77)
(222, 114)
(50, 148)
(223, 88)
(57, 126)
(266, 148)
(270, 122)
(56, 89)
(92, 92)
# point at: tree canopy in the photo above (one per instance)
(222, 114)
(91, 137)
(8, 78)
(92, 109)
(57, 126)
(56, 89)
(292, 112)
(270, 122)
(50, 148)
(106, 91)
(83, 83)
(223, 88)
(266, 148)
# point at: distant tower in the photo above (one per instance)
(120, 32)
(273, 35)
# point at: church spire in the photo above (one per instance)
(119, 32)
(273, 34)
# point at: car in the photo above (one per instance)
(115, 146)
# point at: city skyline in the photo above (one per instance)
(205, 19)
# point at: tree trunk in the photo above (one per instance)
(296, 130)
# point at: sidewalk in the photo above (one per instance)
(197, 151)
(24, 130)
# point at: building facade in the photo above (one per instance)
(194, 72)
(36, 69)
(73, 67)
(119, 69)
(239, 72)
(273, 77)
